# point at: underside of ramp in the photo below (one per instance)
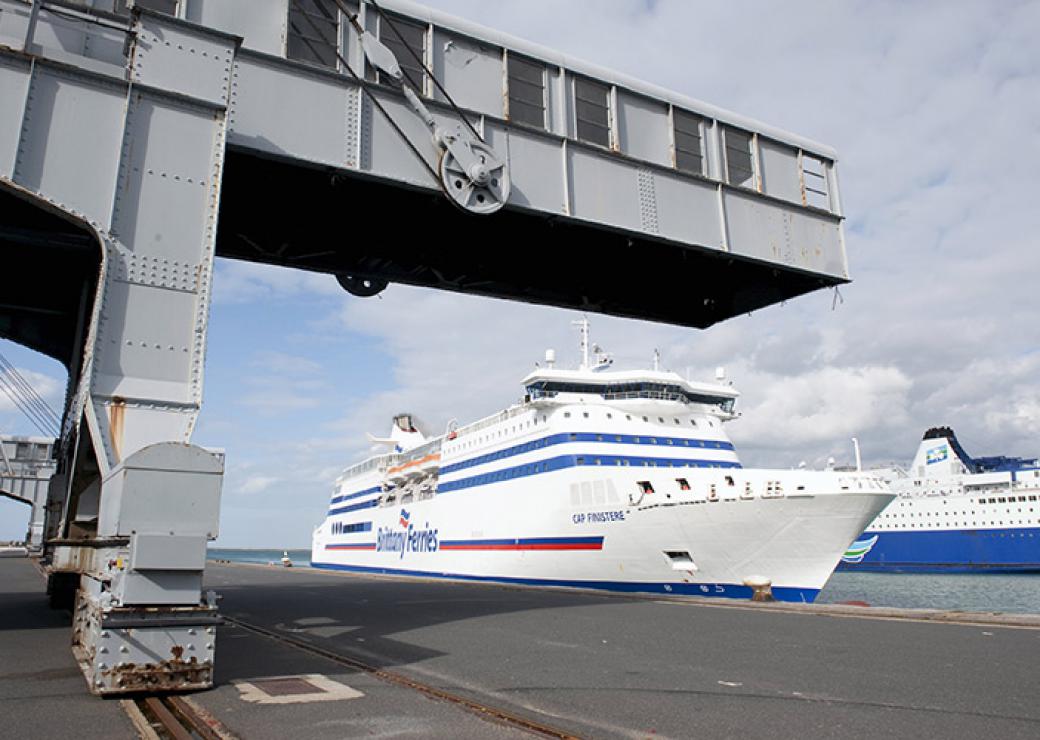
(279, 213)
(56, 263)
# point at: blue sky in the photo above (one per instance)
(934, 109)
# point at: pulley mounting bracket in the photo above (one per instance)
(472, 174)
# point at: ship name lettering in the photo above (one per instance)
(598, 517)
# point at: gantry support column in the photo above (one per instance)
(26, 466)
(123, 129)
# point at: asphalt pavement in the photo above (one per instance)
(589, 664)
(607, 666)
(42, 692)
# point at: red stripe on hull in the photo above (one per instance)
(575, 546)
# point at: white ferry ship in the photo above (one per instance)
(955, 513)
(596, 479)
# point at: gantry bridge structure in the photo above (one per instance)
(378, 142)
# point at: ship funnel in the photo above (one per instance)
(940, 455)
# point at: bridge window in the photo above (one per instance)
(592, 111)
(526, 92)
(740, 168)
(313, 32)
(407, 40)
(814, 182)
(689, 152)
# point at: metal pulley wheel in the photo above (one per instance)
(484, 189)
(362, 287)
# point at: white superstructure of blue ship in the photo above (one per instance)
(602, 479)
(954, 513)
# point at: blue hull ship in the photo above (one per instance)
(955, 514)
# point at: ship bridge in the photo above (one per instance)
(378, 142)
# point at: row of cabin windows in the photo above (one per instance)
(628, 417)
(949, 513)
(772, 487)
(470, 443)
(467, 443)
(341, 528)
(620, 391)
(314, 33)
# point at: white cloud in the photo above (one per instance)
(280, 383)
(256, 484)
(823, 407)
(245, 282)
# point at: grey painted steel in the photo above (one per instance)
(26, 467)
(120, 127)
(122, 124)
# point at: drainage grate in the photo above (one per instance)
(301, 689)
(287, 686)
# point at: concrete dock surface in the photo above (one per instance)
(42, 691)
(592, 665)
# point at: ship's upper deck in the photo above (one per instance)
(613, 386)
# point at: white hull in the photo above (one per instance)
(534, 531)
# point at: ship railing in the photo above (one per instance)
(491, 420)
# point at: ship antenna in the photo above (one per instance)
(583, 330)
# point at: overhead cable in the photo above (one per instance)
(27, 400)
(29, 392)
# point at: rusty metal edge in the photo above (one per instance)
(166, 718)
(201, 720)
(144, 730)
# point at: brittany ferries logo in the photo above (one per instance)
(406, 539)
(937, 455)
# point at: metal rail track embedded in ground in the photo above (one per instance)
(175, 718)
(488, 713)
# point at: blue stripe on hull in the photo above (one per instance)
(728, 590)
(566, 438)
(563, 462)
(952, 551)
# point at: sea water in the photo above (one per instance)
(299, 558)
(952, 591)
(966, 592)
